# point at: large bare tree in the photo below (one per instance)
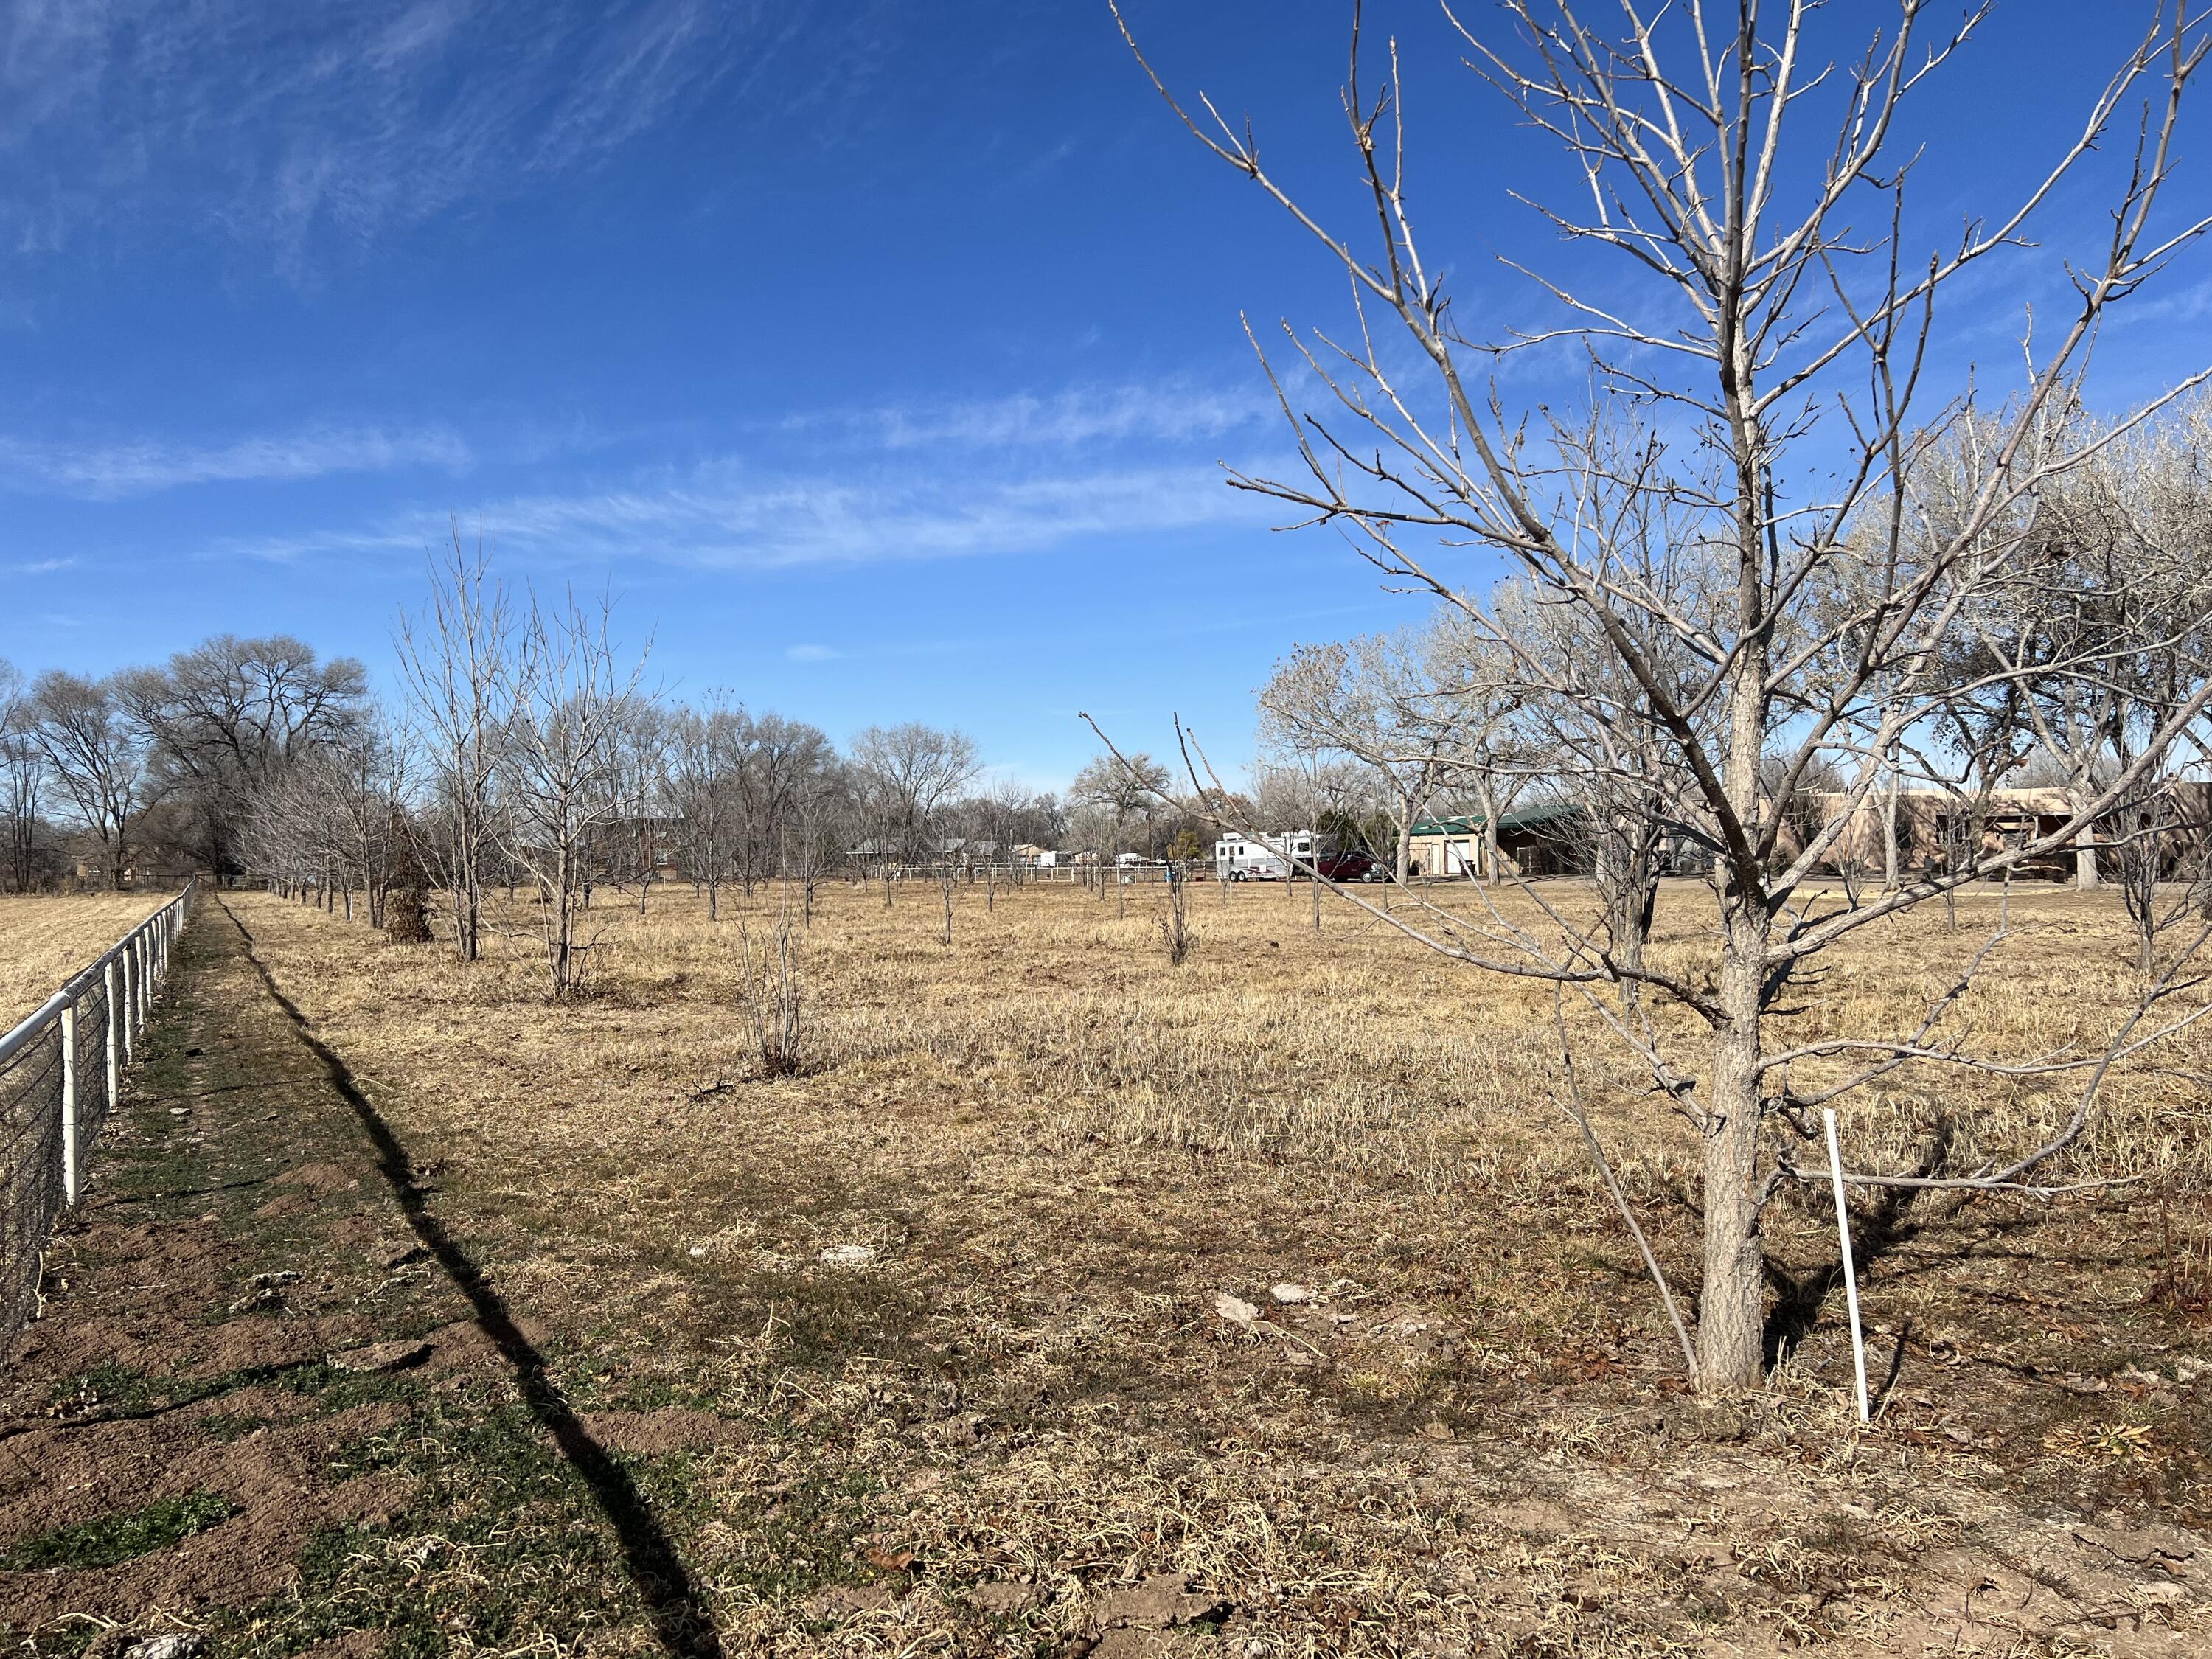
(1760, 360)
(221, 720)
(96, 758)
(909, 771)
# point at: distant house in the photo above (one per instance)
(647, 843)
(1936, 829)
(1037, 858)
(967, 851)
(86, 861)
(1552, 839)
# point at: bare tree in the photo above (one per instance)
(568, 700)
(22, 781)
(1375, 699)
(363, 787)
(705, 747)
(1762, 370)
(823, 812)
(779, 762)
(2096, 628)
(221, 720)
(453, 656)
(96, 759)
(911, 771)
(638, 780)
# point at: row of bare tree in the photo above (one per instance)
(165, 759)
(529, 751)
(525, 751)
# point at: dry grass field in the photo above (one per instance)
(919, 1349)
(44, 939)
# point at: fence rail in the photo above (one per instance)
(1012, 875)
(59, 1070)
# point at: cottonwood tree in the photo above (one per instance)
(221, 720)
(909, 771)
(96, 758)
(1119, 790)
(781, 764)
(22, 778)
(454, 657)
(1760, 355)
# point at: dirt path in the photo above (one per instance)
(265, 1354)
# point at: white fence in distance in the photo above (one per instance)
(59, 1072)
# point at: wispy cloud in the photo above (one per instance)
(39, 567)
(727, 515)
(104, 471)
(811, 654)
(1171, 412)
(289, 124)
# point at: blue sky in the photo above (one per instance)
(882, 355)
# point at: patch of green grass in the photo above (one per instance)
(503, 1541)
(106, 1540)
(120, 1389)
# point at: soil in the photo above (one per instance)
(220, 1377)
(301, 1387)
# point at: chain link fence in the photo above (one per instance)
(59, 1070)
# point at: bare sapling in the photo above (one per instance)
(569, 701)
(453, 656)
(770, 992)
(1174, 920)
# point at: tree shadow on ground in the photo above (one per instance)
(1876, 1231)
(680, 1619)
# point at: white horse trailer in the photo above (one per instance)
(1261, 858)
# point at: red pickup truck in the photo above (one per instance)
(1348, 867)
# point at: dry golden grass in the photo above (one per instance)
(1054, 1149)
(45, 938)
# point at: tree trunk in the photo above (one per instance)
(1889, 806)
(1731, 1327)
(2086, 875)
(1731, 1352)
(1405, 836)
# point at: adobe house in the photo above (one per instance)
(1934, 827)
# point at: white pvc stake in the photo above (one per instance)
(130, 1001)
(69, 1103)
(1851, 1273)
(114, 1038)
